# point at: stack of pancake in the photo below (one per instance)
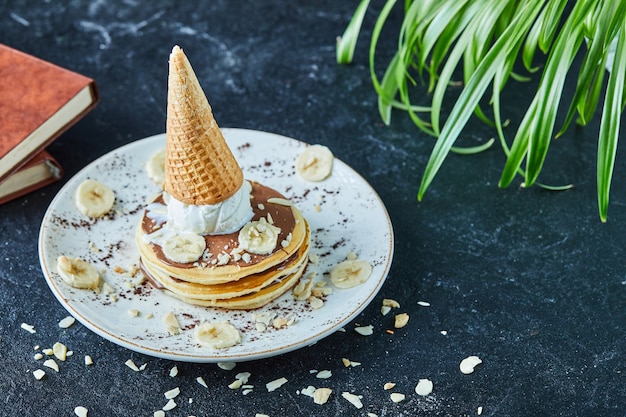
(200, 169)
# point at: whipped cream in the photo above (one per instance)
(211, 219)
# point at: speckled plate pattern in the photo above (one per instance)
(344, 212)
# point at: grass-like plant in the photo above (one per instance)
(485, 39)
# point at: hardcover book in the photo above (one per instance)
(39, 171)
(38, 102)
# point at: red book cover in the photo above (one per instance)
(39, 171)
(38, 102)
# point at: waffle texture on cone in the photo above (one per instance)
(199, 166)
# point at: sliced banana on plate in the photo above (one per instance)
(183, 247)
(259, 237)
(350, 273)
(93, 198)
(155, 167)
(315, 163)
(78, 273)
(218, 335)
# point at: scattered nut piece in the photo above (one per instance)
(479, 411)
(389, 385)
(324, 374)
(48, 351)
(320, 396)
(67, 322)
(88, 360)
(396, 397)
(133, 312)
(424, 387)
(202, 382)
(423, 303)
(171, 323)
(131, 365)
(171, 404)
(236, 384)
(159, 413)
(39, 373)
(365, 330)
(80, 411)
(308, 391)
(280, 201)
(173, 393)
(243, 377)
(468, 364)
(388, 302)
(28, 327)
(60, 351)
(38, 356)
(275, 384)
(384, 310)
(50, 363)
(355, 400)
(227, 366)
(174, 371)
(401, 320)
(316, 303)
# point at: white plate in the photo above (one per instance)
(344, 212)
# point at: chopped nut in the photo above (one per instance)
(119, 270)
(468, 364)
(38, 374)
(384, 310)
(320, 396)
(171, 404)
(275, 384)
(315, 303)
(396, 397)
(389, 385)
(131, 365)
(159, 413)
(48, 351)
(243, 377)
(88, 360)
(324, 374)
(173, 393)
(479, 411)
(401, 320)
(202, 382)
(227, 366)
(388, 302)
(38, 356)
(133, 312)
(50, 363)
(423, 303)
(365, 330)
(424, 387)
(236, 384)
(174, 371)
(60, 351)
(355, 400)
(29, 328)
(80, 411)
(67, 322)
(171, 323)
(280, 201)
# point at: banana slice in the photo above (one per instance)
(315, 163)
(155, 167)
(351, 273)
(218, 335)
(184, 247)
(93, 198)
(78, 273)
(259, 237)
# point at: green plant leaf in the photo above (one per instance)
(610, 123)
(475, 88)
(347, 42)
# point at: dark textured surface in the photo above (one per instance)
(529, 280)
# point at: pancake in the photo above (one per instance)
(233, 281)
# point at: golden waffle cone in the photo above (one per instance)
(199, 166)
